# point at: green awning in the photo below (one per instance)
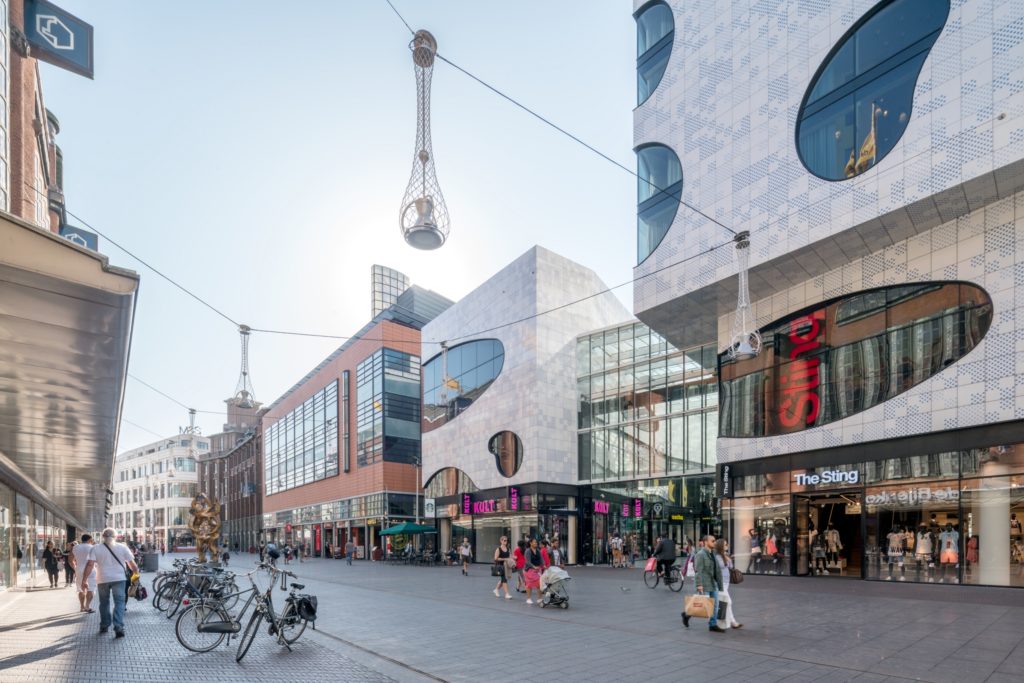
(408, 528)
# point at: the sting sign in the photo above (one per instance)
(799, 378)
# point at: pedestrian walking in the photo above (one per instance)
(725, 565)
(80, 558)
(534, 565)
(163, 549)
(69, 564)
(302, 552)
(51, 563)
(557, 556)
(350, 551)
(465, 554)
(519, 554)
(111, 560)
(226, 556)
(545, 553)
(502, 555)
(709, 581)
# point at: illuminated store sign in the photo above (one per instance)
(481, 507)
(513, 498)
(601, 507)
(638, 507)
(799, 379)
(467, 504)
(827, 477)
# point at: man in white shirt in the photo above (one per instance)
(80, 558)
(110, 559)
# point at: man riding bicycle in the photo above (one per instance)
(665, 551)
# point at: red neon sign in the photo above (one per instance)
(799, 379)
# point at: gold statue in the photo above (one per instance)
(205, 526)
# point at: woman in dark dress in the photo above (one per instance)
(501, 558)
(51, 561)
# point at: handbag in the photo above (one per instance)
(698, 605)
(495, 569)
(735, 576)
(723, 605)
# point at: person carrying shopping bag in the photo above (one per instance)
(709, 582)
(725, 565)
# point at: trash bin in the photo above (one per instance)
(150, 562)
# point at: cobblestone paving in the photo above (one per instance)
(413, 624)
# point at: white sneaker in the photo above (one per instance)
(529, 601)
(508, 597)
(496, 593)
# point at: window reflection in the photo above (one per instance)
(860, 102)
(659, 189)
(846, 356)
(655, 28)
(470, 368)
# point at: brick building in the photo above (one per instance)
(341, 449)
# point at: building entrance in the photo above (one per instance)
(829, 538)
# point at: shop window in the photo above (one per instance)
(834, 360)
(659, 189)
(452, 382)
(859, 103)
(655, 29)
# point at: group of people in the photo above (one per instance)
(54, 558)
(107, 569)
(624, 549)
(526, 562)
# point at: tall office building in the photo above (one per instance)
(873, 150)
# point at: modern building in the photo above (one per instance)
(500, 403)
(648, 423)
(153, 490)
(65, 333)
(387, 284)
(873, 151)
(341, 448)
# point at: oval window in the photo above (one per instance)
(454, 380)
(659, 187)
(859, 103)
(837, 359)
(655, 28)
(507, 449)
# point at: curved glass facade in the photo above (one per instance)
(860, 101)
(834, 360)
(507, 449)
(655, 29)
(471, 367)
(659, 188)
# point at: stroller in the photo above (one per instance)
(553, 587)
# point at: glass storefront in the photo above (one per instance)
(6, 537)
(949, 517)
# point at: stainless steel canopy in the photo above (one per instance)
(66, 320)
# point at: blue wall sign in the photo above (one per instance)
(82, 238)
(59, 37)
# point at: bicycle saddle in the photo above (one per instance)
(297, 586)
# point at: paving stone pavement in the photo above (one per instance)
(401, 623)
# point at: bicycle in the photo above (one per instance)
(674, 580)
(289, 625)
(205, 622)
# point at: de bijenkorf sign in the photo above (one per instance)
(59, 37)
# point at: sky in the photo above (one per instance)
(257, 153)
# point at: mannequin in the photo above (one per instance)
(818, 552)
(895, 538)
(923, 552)
(949, 552)
(755, 552)
(771, 547)
(833, 543)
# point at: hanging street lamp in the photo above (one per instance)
(424, 216)
(746, 340)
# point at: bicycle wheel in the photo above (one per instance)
(249, 635)
(651, 579)
(175, 604)
(292, 625)
(676, 584)
(187, 627)
(163, 599)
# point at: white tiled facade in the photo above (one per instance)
(535, 394)
(944, 204)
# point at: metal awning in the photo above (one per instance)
(66, 319)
